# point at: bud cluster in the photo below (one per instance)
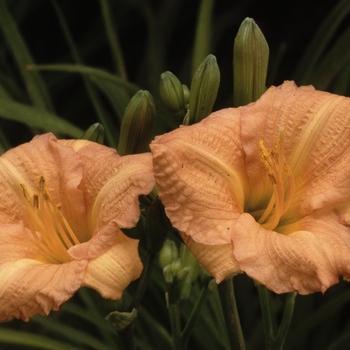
(180, 266)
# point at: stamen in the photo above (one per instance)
(50, 230)
(283, 188)
(66, 227)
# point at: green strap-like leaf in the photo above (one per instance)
(113, 39)
(35, 86)
(37, 118)
(202, 42)
(70, 334)
(320, 42)
(117, 90)
(21, 338)
(102, 114)
(332, 63)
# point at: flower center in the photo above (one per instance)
(282, 181)
(51, 231)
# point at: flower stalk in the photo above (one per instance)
(229, 308)
(181, 335)
(275, 338)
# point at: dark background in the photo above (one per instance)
(154, 41)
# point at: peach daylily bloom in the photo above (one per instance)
(271, 180)
(63, 203)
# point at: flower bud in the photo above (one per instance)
(137, 124)
(204, 89)
(189, 261)
(168, 253)
(186, 91)
(183, 273)
(168, 274)
(121, 320)
(95, 133)
(189, 273)
(186, 287)
(172, 93)
(250, 61)
(176, 266)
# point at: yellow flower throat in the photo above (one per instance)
(282, 181)
(50, 229)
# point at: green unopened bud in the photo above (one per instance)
(204, 89)
(250, 61)
(168, 274)
(137, 124)
(172, 94)
(95, 133)
(171, 271)
(186, 287)
(186, 91)
(168, 253)
(121, 320)
(183, 273)
(176, 266)
(188, 260)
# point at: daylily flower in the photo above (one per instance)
(63, 203)
(272, 181)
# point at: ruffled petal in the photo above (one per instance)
(100, 243)
(112, 184)
(218, 260)
(61, 194)
(61, 168)
(28, 287)
(201, 177)
(316, 144)
(111, 272)
(16, 243)
(283, 159)
(310, 256)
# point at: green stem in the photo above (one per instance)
(285, 323)
(275, 339)
(229, 308)
(175, 323)
(127, 338)
(127, 335)
(196, 311)
(268, 322)
(141, 287)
